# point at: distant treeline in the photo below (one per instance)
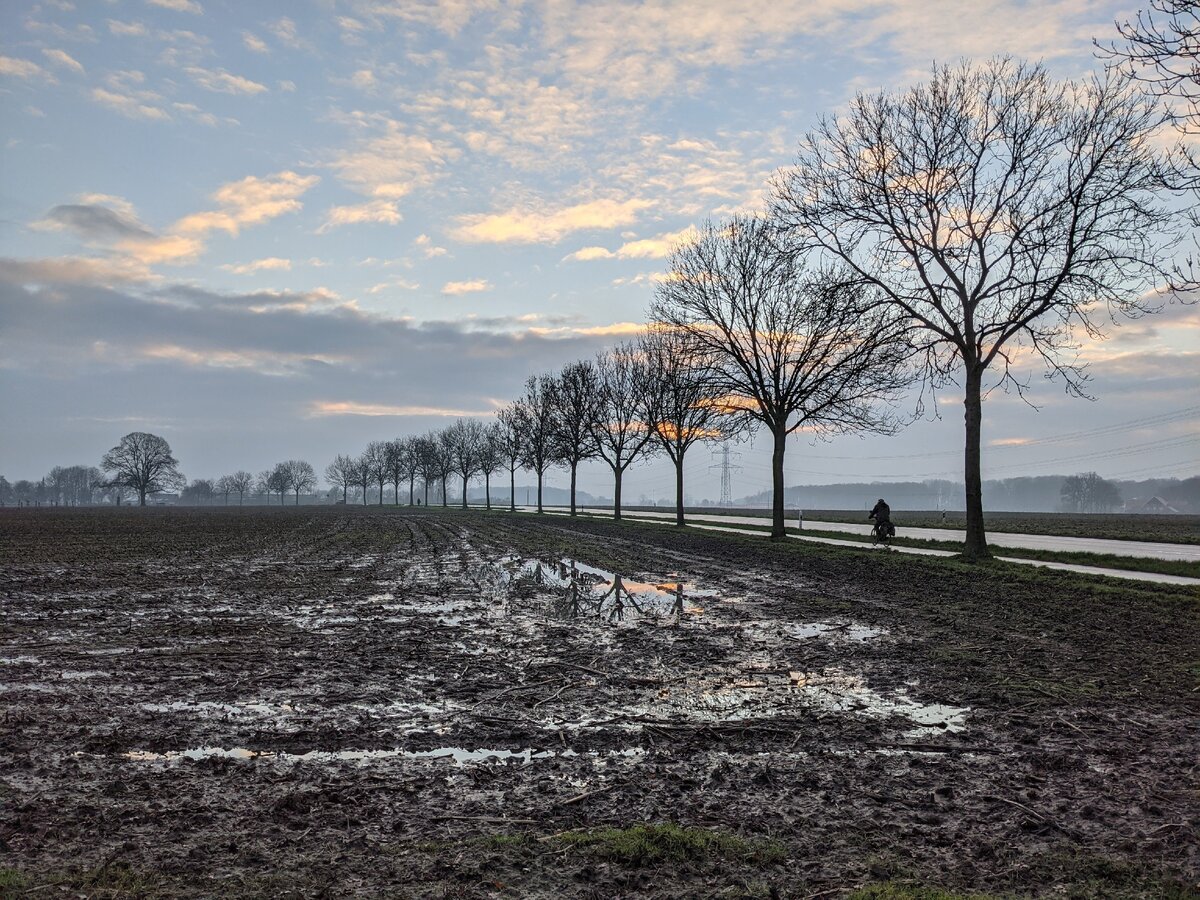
(1042, 493)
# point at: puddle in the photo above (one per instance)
(460, 755)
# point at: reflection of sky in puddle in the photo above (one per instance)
(830, 690)
(459, 755)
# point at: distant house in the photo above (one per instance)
(1157, 505)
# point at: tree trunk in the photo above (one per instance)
(617, 473)
(487, 490)
(464, 492)
(512, 489)
(778, 530)
(540, 472)
(976, 544)
(426, 494)
(679, 490)
(345, 490)
(411, 488)
(445, 497)
(141, 496)
(297, 498)
(396, 492)
(574, 467)
(381, 493)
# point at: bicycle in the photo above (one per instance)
(882, 532)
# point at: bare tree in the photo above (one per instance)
(143, 463)
(465, 443)
(241, 481)
(224, 487)
(621, 427)
(491, 458)
(301, 477)
(412, 465)
(340, 474)
(998, 210)
(280, 480)
(687, 407)
(536, 417)
(443, 460)
(510, 439)
(397, 465)
(576, 415)
(1161, 50)
(426, 448)
(263, 484)
(376, 459)
(362, 474)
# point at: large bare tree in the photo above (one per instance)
(143, 463)
(1160, 48)
(301, 477)
(537, 407)
(1001, 212)
(376, 459)
(621, 426)
(687, 407)
(465, 446)
(491, 458)
(241, 481)
(341, 474)
(790, 348)
(576, 411)
(510, 436)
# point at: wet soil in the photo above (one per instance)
(417, 703)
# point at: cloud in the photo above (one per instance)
(391, 165)
(454, 288)
(222, 82)
(72, 270)
(402, 284)
(21, 68)
(129, 106)
(127, 29)
(250, 201)
(63, 59)
(448, 16)
(384, 212)
(271, 263)
(646, 248)
(284, 30)
(533, 226)
(255, 43)
(187, 6)
(323, 408)
(428, 248)
(110, 222)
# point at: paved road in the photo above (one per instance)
(1143, 549)
(718, 522)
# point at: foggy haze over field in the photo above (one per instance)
(268, 236)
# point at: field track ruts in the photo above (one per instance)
(874, 718)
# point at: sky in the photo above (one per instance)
(273, 230)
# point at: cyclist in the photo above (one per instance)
(882, 514)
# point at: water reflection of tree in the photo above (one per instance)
(614, 604)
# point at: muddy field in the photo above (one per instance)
(346, 701)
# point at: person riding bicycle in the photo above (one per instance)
(882, 514)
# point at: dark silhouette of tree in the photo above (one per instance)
(199, 492)
(686, 407)
(1160, 48)
(577, 409)
(621, 427)
(241, 481)
(280, 481)
(1001, 212)
(362, 474)
(340, 474)
(536, 409)
(396, 465)
(427, 461)
(7, 495)
(375, 457)
(143, 463)
(1089, 493)
(410, 456)
(224, 487)
(443, 459)
(510, 438)
(301, 477)
(789, 348)
(262, 485)
(491, 458)
(465, 443)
